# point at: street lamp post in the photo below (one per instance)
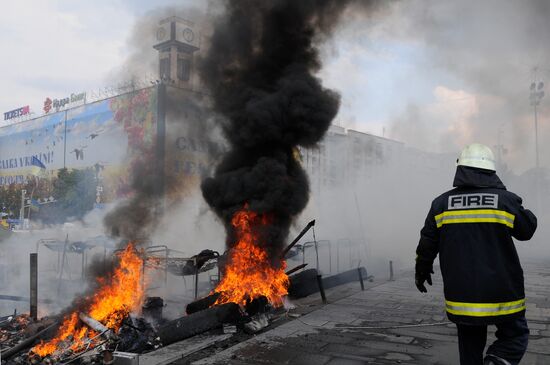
(535, 96)
(22, 211)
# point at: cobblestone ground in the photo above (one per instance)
(347, 330)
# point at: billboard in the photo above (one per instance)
(105, 136)
(107, 140)
(110, 136)
(43, 138)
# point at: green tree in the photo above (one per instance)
(74, 192)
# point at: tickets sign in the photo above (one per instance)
(17, 112)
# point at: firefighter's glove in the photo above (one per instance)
(423, 276)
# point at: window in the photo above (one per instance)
(184, 69)
(165, 68)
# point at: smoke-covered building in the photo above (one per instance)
(166, 132)
(169, 127)
(347, 156)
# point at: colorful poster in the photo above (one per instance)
(42, 138)
(133, 127)
(107, 137)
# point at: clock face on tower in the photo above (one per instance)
(161, 34)
(188, 35)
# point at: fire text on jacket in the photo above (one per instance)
(469, 201)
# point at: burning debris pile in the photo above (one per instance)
(249, 274)
(100, 317)
(260, 70)
(101, 322)
(13, 329)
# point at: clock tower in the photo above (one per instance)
(177, 40)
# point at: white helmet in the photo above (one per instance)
(477, 155)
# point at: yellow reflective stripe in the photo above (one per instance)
(476, 220)
(477, 211)
(485, 305)
(485, 314)
(475, 216)
(484, 309)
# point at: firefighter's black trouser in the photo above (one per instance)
(511, 343)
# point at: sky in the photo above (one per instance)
(433, 74)
(57, 47)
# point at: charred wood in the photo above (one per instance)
(94, 324)
(199, 322)
(202, 304)
(137, 336)
(252, 307)
(257, 306)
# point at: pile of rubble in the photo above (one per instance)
(18, 333)
(13, 329)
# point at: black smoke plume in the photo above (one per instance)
(260, 69)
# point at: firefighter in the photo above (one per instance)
(471, 228)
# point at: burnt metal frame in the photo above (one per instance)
(316, 245)
(150, 251)
(160, 248)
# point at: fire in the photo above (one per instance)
(250, 272)
(118, 295)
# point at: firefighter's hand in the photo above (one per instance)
(420, 278)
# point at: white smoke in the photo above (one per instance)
(56, 288)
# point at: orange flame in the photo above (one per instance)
(116, 297)
(250, 272)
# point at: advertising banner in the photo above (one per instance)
(42, 138)
(105, 136)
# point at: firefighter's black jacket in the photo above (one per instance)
(471, 228)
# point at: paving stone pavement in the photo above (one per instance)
(347, 330)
